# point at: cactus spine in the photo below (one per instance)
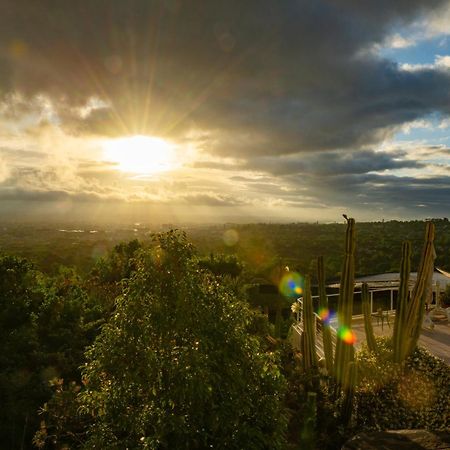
(344, 350)
(409, 317)
(370, 337)
(323, 306)
(309, 333)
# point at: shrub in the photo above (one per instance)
(392, 397)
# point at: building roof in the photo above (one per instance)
(384, 280)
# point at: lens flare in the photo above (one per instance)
(230, 237)
(346, 334)
(291, 285)
(325, 315)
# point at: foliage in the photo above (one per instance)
(222, 265)
(260, 246)
(175, 367)
(45, 324)
(119, 263)
(390, 396)
(62, 425)
(180, 325)
(312, 425)
(21, 386)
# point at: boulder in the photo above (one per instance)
(399, 440)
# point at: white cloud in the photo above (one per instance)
(399, 41)
(445, 123)
(92, 104)
(416, 124)
(441, 62)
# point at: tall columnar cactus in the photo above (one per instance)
(308, 433)
(344, 347)
(349, 392)
(324, 312)
(411, 310)
(309, 334)
(400, 327)
(370, 337)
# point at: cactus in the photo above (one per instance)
(344, 349)
(370, 337)
(398, 337)
(349, 391)
(410, 312)
(308, 433)
(323, 306)
(309, 334)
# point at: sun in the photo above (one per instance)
(140, 154)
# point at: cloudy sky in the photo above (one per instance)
(195, 110)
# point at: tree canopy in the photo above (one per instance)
(176, 367)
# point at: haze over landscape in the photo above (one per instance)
(216, 111)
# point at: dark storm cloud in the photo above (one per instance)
(330, 163)
(365, 193)
(320, 163)
(263, 77)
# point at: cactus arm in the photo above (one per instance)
(400, 336)
(323, 306)
(422, 289)
(309, 346)
(349, 391)
(370, 337)
(344, 351)
(409, 316)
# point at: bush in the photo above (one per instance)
(392, 397)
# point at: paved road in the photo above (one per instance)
(436, 342)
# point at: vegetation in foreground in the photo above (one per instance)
(158, 349)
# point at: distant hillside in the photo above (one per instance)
(264, 248)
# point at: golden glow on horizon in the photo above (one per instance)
(140, 154)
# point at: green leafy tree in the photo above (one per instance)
(104, 282)
(176, 367)
(21, 389)
(222, 265)
(66, 322)
(45, 324)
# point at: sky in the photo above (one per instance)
(216, 111)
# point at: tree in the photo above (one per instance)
(222, 265)
(21, 388)
(175, 367)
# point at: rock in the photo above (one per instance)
(399, 440)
